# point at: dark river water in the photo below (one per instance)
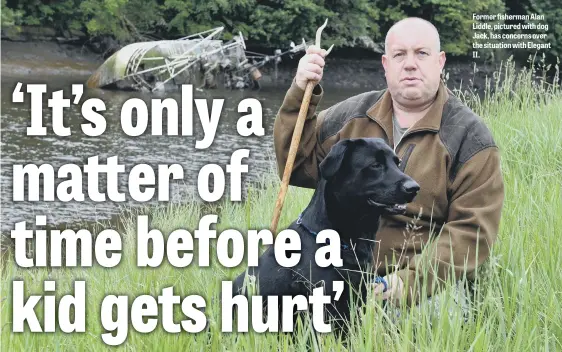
(19, 149)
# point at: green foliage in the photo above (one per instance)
(453, 18)
(294, 20)
(10, 16)
(552, 10)
(59, 15)
(105, 17)
(273, 23)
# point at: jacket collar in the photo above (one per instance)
(381, 112)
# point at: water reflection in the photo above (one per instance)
(17, 148)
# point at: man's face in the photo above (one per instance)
(412, 64)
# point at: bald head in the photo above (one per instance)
(407, 26)
(412, 63)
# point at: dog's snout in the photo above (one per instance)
(411, 187)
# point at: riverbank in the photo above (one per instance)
(46, 58)
(61, 65)
(359, 69)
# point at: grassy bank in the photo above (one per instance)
(519, 307)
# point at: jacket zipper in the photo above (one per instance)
(407, 134)
(401, 138)
(406, 156)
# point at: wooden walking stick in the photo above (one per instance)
(297, 133)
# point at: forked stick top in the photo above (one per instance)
(319, 33)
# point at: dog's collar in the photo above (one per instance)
(344, 245)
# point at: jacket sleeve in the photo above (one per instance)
(310, 152)
(477, 196)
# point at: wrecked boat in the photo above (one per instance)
(199, 59)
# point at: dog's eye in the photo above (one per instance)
(376, 165)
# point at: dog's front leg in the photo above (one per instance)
(268, 279)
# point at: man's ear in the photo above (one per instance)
(442, 59)
(332, 162)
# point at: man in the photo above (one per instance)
(442, 144)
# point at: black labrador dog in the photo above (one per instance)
(360, 180)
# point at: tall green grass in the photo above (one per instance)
(518, 305)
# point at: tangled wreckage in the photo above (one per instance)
(199, 59)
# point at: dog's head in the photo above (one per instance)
(362, 175)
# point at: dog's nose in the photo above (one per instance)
(411, 187)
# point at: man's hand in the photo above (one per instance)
(311, 66)
(395, 290)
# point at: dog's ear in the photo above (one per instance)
(332, 162)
